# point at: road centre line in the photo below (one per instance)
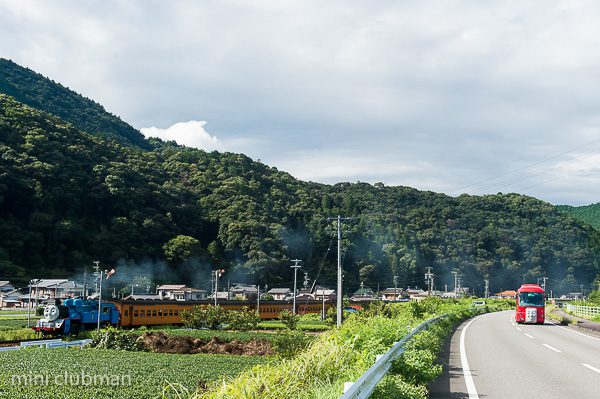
(552, 348)
(575, 332)
(591, 367)
(529, 336)
(518, 329)
(465, 364)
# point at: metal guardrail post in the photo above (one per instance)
(364, 386)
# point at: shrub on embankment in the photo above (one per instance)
(344, 354)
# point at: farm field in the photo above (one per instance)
(126, 374)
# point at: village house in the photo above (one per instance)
(180, 293)
(280, 294)
(391, 294)
(324, 292)
(243, 292)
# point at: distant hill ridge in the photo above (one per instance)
(69, 196)
(41, 93)
(587, 213)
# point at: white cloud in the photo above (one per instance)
(465, 90)
(191, 134)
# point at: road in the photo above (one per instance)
(509, 360)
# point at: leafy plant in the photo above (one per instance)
(289, 319)
(289, 343)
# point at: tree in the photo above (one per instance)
(180, 248)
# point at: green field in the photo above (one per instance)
(40, 373)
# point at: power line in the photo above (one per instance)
(509, 172)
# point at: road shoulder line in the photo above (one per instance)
(465, 364)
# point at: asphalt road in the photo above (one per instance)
(509, 360)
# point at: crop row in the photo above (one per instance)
(89, 373)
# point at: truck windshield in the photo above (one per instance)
(531, 299)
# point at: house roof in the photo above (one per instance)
(3, 283)
(69, 285)
(508, 292)
(49, 283)
(244, 288)
(324, 292)
(364, 291)
(171, 287)
(279, 291)
(137, 297)
(392, 290)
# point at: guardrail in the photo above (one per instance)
(49, 343)
(583, 311)
(364, 386)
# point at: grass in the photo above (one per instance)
(140, 374)
(302, 325)
(223, 335)
(16, 334)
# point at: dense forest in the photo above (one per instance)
(587, 213)
(71, 193)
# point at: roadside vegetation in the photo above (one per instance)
(343, 354)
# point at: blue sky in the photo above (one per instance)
(452, 96)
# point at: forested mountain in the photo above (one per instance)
(588, 213)
(68, 198)
(39, 92)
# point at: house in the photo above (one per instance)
(6, 286)
(416, 293)
(180, 293)
(507, 294)
(244, 292)
(363, 294)
(45, 289)
(279, 294)
(10, 299)
(391, 294)
(324, 292)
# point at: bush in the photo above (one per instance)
(289, 343)
(113, 338)
(208, 317)
(243, 320)
(289, 319)
(218, 318)
(39, 311)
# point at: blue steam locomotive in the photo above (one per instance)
(75, 315)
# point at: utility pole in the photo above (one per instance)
(84, 283)
(216, 274)
(429, 280)
(487, 287)
(306, 281)
(455, 272)
(395, 287)
(459, 284)
(340, 314)
(544, 283)
(258, 300)
(295, 266)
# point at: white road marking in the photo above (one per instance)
(575, 332)
(518, 329)
(529, 336)
(591, 367)
(552, 348)
(465, 364)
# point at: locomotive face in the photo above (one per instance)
(51, 312)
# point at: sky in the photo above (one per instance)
(448, 96)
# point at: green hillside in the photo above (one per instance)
(39, 92)
(68, 198)
(588, 213)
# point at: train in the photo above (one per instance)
(75, 315)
